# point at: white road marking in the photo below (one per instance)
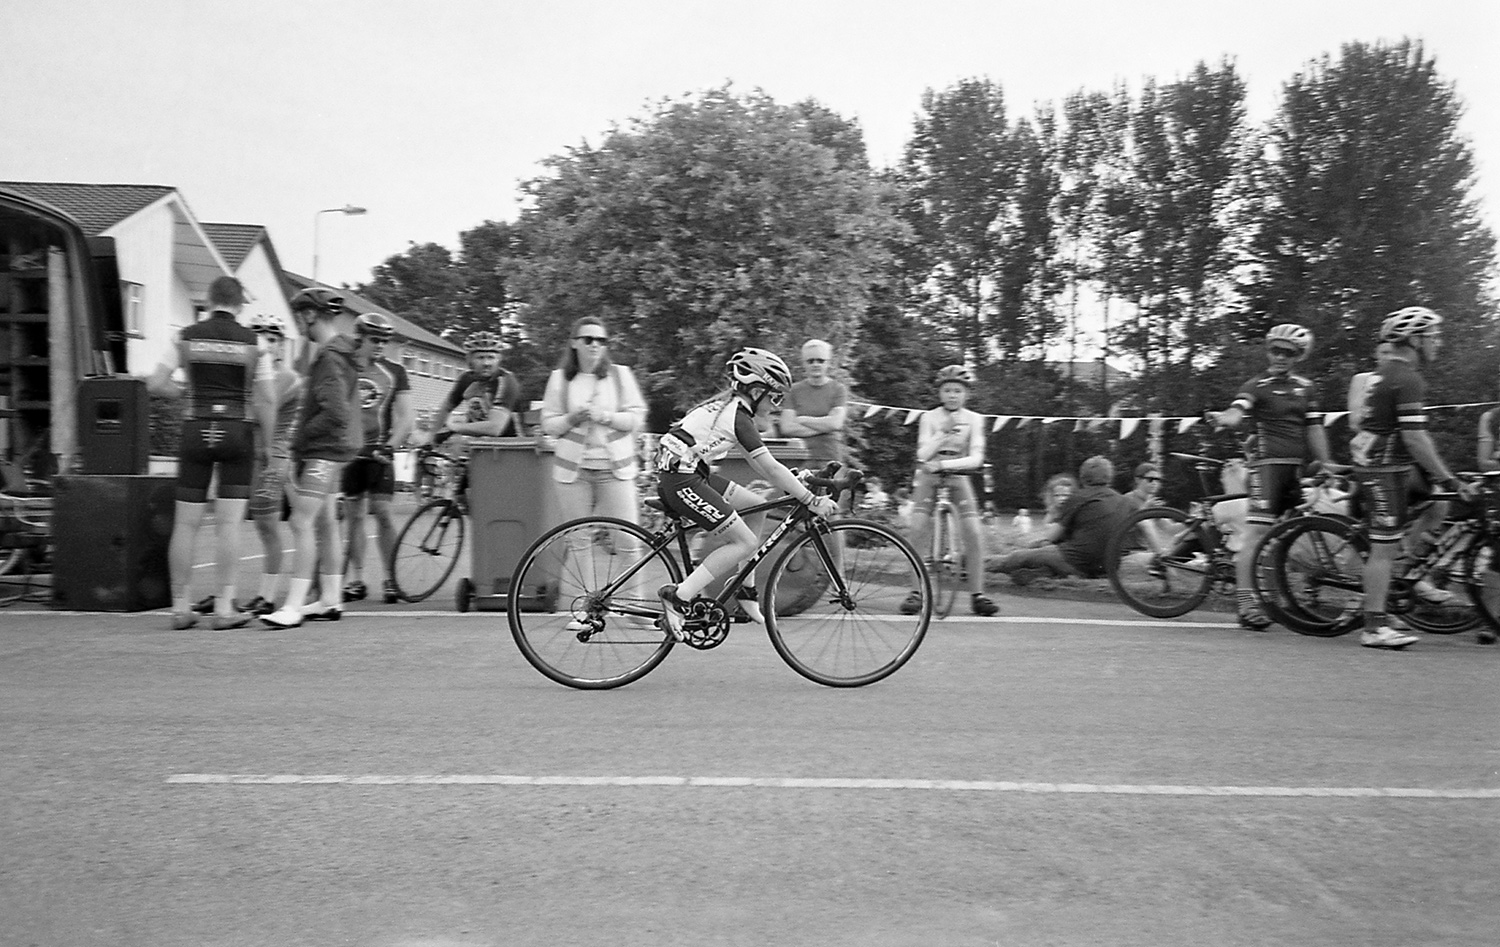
(776, 782)
(396, 611)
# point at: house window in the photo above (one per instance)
(424, 366)
(133, 298)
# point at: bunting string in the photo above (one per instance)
(1126, 425)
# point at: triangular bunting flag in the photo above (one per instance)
(1184, 423)
(999, 423)
(912, 415)
(1331, 416)
(1128, 426)
(873, 411)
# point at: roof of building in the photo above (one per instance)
(404, 327)
(235, 241)
(1091, 373)
(96, 207)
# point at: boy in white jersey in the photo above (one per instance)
(950, 440)
(757, 381)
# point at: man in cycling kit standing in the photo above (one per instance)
(491, 395)
(1393, 453)
(328, 437)
(385, 402)
(227, 392)
(1284, 409)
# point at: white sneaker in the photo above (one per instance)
(1385, 637)
(284, 618)
(749, 600)
(1431, 594)
(576, 625)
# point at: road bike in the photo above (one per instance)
(1317, 567)
(432, 540)
(583, 606)
(945, 555)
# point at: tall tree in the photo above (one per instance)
(958, 175)
(717, 221)
(1367, 179)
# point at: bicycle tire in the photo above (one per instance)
(1317, 574)
(869, 637)
(947, 563)
(1159, 562)
(427, 549)
(566, 620)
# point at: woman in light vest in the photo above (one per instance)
(592, 410)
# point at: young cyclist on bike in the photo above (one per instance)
(1282, 406)
(1395, 460)
(950, 439)
(757, 381)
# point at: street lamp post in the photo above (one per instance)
(349, 209)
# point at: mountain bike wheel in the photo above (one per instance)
(1317, 575)
(427, 549)
(1159, 562)
(947, 564)
(583, 608)
(861, 637)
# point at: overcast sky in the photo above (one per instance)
(429, 113)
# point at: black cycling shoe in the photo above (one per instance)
(982, 605)
(204, 606)
(259, 606)
(912, 604)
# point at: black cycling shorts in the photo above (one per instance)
(1273, 488)
(210, 443)
(368, 475)
(696, 498)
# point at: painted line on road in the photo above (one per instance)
(776, 782)
(398, 612)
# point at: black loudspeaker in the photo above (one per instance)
(114, 425)
(109, 542)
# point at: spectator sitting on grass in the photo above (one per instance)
(1147, 485)
(1074, 543)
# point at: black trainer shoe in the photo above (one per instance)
(1252, 618)
(912, 604)
(388, 591)
(204, 606)
(355, 591)
(259, 606)
(982, 605)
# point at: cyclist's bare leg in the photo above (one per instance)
(923, 497)
(1377, 579)
(729, 545)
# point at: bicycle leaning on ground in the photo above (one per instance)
(583, 607)
(1163, 562)
(1315, 570)
(432, 540)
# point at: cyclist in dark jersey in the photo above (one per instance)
(386, 412)
(327, 437)
(1283, 407)
(490, 395)
(226, 391)
(1391, 447)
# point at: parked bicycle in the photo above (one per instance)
(583, 607)
(432, 540)
(1316, 567)
(1164, 562)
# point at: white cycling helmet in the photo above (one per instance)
(1402, 324)
(751, 366)
(1289, 333)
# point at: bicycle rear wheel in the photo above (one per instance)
(947, 564)
(583, 605)
(1483, 565)
(1160, 562)
(427, 549)
(860, 636)
(1316, 575)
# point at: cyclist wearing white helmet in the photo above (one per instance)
(490, 395)
(758, 380)
(1395, 461)
(1283, 407)
(369, 480)
(950, 440)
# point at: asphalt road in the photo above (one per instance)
(1067, 774)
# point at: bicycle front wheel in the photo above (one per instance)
(1160, 562)
(864, 629)
(427, 549)
(583, 605)
(947, 563)
(1316, 575)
